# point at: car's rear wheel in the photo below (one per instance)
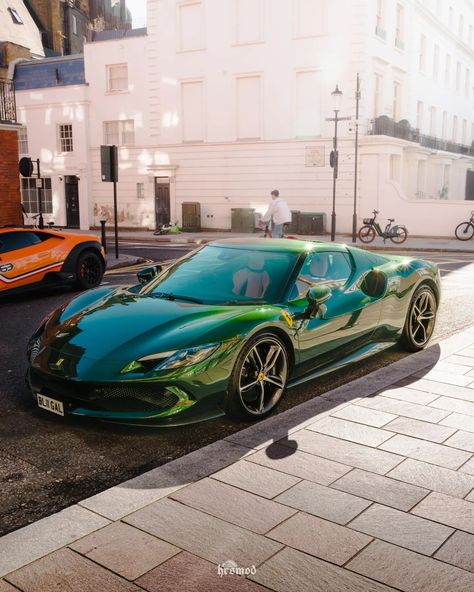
(89, 270)
(367, 234)
(420, 321)
(258, 379)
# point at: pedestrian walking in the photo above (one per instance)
(279, 212)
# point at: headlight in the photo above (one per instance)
(172, 359)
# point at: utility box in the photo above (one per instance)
(311, 223)
(191, 215)
(293, 226)
(242, 219)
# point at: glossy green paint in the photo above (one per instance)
(99, 335)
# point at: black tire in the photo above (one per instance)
(89, 270)
(244, 403)
(366, 234)
(400, 237)
(464, 231)
(420, 321)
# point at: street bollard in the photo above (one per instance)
(104, 238)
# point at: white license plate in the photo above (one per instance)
(50, 404)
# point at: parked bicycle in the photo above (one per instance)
(465, 230)
(397, 234)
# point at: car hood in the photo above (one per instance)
(122, 326)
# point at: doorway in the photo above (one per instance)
(162, 201)
(72, 201)
(470, 185)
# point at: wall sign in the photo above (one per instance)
(314, 156)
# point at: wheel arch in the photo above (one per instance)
(278, 332)
(71, 260)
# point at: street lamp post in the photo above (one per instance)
(336, 96)
(354, 214)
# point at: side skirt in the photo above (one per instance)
(360, 354)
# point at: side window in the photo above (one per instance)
(327, 266)
(12, 241)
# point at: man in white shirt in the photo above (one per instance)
(279, 212)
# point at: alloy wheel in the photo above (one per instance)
(263, 376)
(422, 318)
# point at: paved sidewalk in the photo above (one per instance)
(368, 488)
(123, 260)
(411, 244)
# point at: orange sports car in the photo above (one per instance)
(30, 258)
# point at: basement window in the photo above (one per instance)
(16, 18)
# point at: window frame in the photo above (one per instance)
(28, 189)
(109, 70)
(65, 142)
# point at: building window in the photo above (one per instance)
(421, 179)
(192, 111)
(65, 138)
(399, 29)
(433, 121)
(467, 82)
(447, 70)
(446, 178)
(419, 115)
(191, 28)
(469, 35)
(16, 18)
(422, 58)
(451, 17)
(435, 62)
(117, 77)
(461, 26)
(378, 94)
(455, 129)
(248, 21)
(29, 196)
(395, 161)
(23, 140)
(119, 133)
(308, 106)
(309, 18)
(464, 131)
(74, 24)
(249, 107)
(380, 19)
(458, 76)
(396, 100)
(444, 129)
(140, 190)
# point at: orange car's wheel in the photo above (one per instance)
(89, 270)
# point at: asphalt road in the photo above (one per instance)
(48, 463)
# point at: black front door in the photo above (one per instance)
(162, 201)
(72, 201)
(470, 185)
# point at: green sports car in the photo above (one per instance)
(227, 329)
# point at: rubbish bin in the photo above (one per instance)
(311, 223)
(191, 215)
(242, 219)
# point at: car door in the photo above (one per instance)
(25, 257)
(345, 322)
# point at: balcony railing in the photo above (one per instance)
(7, 102)
(385, 126)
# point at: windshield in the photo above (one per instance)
(226, 275)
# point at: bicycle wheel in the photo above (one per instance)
(400, 237)
(366, 234)
(464, 231)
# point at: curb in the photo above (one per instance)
(47, 535)
(125, 264)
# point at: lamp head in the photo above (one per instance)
(336, 96)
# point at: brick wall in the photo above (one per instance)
(10, 210)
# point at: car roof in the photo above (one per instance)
(278, 244)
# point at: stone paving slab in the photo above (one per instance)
(377, 488)
(458, 550)
(320, 538)
(403, 408)
(409, 571)
(338, 506)
(369, 417)
(125, 550)
(420, 429)
(434, 478)
(443, 456)
(447, 510)
(248, 510)
(462, 440)
(349, 430)
(201, 534)
(459, 421)
(402, 529)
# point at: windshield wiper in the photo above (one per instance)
(236, 302)
(170, 296)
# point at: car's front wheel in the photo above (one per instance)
(89, 270)
(420, 321)
(258, 379)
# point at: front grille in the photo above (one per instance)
(136, 396)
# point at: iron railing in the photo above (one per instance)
(385, 126)
(7, 102)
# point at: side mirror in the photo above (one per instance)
(146, 275)
(316, 296)
(374, 284)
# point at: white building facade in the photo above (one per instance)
(224, 100)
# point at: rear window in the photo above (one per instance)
(13, 241)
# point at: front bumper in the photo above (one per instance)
(130, 402)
